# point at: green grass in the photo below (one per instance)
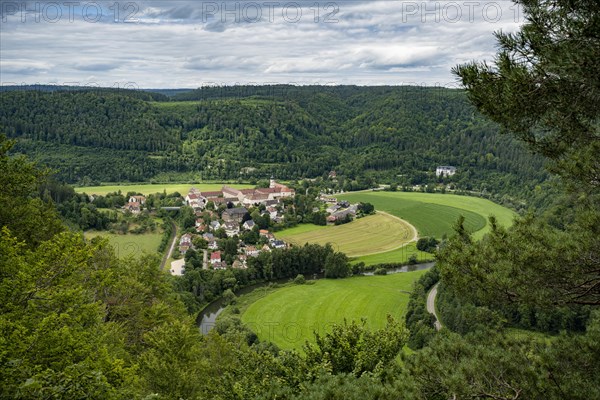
(288, 316)
(518, 333)
(400, 255)
(359, 237)
(434, 214)
(301, 229)
(130, 244)
(148, 188)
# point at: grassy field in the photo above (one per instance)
(288, 316)
(434, 214)
(130, 244)
(360, 237)
(148, 188)
(400, 255)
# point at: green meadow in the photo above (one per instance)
(288, 316)
(149, 188)
(400, 255)
(434, 214)
(130, 244)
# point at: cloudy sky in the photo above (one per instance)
(186, 44)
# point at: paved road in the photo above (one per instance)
(431, 306)
(173, 242)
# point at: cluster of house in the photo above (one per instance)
(216, 260)
(134, 205)
(233, 221)
(247, 197)
(339, 210)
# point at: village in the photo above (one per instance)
(241, 216)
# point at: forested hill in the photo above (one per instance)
(367, 134)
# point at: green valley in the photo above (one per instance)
(249, 133)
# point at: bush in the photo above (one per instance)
(428, 244)
(299, 280)
(229, 297)
(380, 271)
(412, 260)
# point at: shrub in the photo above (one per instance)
(299, 280)
(229, 297)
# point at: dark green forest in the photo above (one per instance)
(368, 135)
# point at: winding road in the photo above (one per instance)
(431, 306)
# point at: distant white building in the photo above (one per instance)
(445, 170)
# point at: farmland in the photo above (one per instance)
(130, 244)
(400, 255)
(435, 214)
(361, 237)
(148, 188)
(288, 316)
(377, 239)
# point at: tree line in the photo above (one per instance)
(395, 135)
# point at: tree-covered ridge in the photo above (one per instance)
(86, 119)
(384, 134)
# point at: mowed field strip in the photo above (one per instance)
(149, 188)
(368, 235)
(434, 214)
(288, 316)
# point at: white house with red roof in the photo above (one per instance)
(215, 258)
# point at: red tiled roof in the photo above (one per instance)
(230, 190)
(212, 194)
(267, 190)
(258, 196)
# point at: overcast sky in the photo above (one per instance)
(187, 44)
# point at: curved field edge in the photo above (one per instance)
(406, 205)
(360, 237)
(288, 316)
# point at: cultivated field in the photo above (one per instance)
(368, 235)
(288, 316)
(148, 188)
(130, 244)
(434, 214)
(401, 255)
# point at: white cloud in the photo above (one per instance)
(188, 43)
